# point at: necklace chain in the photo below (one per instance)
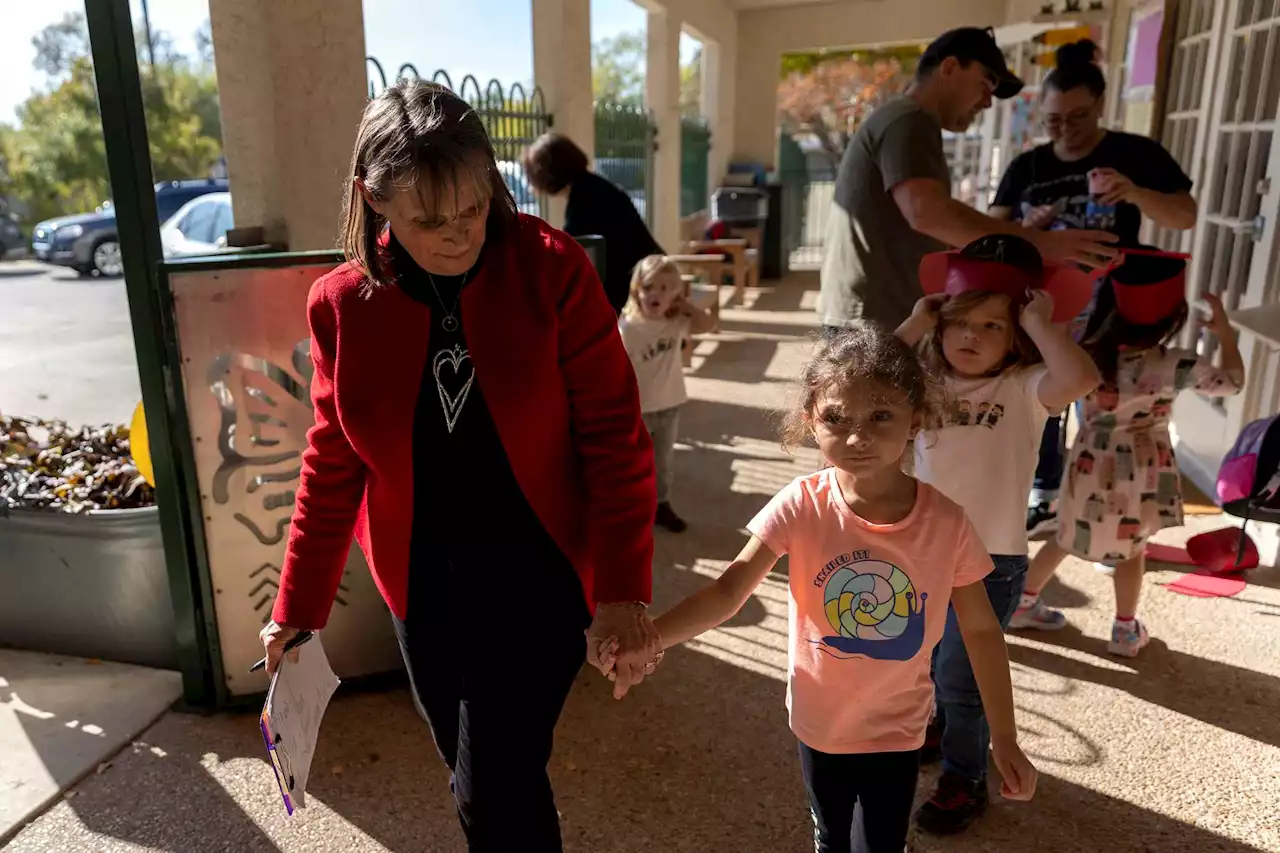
(449, 322)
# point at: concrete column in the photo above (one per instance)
(562, 69)
(662, 97)
(719, 73)
(291, 81)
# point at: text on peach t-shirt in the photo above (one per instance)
(867, 604)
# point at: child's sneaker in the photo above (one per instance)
(666, 517)
(1128, 638)
(1034, 613)
(956, 803)
(1041, 518)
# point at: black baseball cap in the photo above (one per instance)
(973, 44)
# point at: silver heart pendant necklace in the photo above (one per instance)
(462, 378)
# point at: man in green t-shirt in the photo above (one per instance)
(892, 203)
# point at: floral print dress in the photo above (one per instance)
(1122, 479)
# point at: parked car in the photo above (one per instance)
(11, 243)
(199, 227)
(88, 243)
(514, 177)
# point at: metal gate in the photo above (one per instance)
(625, 142)
(695, 153)
(513, 116)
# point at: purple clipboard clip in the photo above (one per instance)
(279, 763)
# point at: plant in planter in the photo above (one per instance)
(46, 465)
(82, 561)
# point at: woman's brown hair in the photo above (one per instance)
(418, 135)
(553, 162)
(1022, 351)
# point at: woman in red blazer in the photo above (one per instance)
(478, 430)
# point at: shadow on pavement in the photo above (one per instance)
(1229, 697)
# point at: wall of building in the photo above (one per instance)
(715, 24)
(291, 81)
(765, 34)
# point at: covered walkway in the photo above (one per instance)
(1177, 751)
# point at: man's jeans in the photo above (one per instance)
(966, 738)
(1052, 461)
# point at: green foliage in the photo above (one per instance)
(691, 86)
(617, 69)
(907, 55)
(55, 160)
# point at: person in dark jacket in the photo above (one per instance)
(556, 166)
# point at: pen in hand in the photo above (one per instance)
(300, 638)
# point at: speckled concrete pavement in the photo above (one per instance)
(1176, 752)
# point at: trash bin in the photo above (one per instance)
(759, 208)
(740, 207)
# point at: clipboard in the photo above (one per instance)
(291, 716)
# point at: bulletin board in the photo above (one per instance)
(1141, 68)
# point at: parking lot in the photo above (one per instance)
(66, 346)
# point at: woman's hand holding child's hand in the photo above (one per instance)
(606, 655)
(1016, 769)
(1038, 310)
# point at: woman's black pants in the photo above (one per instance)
(490, 666)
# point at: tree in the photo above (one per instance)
(55, 160)
(617, 69)
(204, 43)
(691, 85)
(830, 97)
(59, 45)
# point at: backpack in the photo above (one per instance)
(1249, 478)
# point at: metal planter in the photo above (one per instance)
(90, 585)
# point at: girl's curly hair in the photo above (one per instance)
(860, 354)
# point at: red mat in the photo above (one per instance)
(1215, 553)
(1205, 585)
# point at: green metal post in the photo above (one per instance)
(124, 127)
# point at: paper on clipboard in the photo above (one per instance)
(291, 716)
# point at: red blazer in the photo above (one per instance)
(545, 346)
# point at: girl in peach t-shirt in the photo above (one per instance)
(875, 558)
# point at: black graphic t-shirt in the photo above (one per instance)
(1037, 177)
(469, 513)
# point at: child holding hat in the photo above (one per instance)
(988, 329)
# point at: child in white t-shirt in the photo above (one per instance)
(988, 332)
(656, 320)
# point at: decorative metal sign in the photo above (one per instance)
(246, 371)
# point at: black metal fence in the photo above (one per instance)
(514, 117)
(625, 142)
(695, 156)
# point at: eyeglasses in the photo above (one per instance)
(1073, 119)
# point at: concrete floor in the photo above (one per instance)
(1176, 751)
(61, 717)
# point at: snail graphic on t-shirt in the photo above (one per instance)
(875, 610)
